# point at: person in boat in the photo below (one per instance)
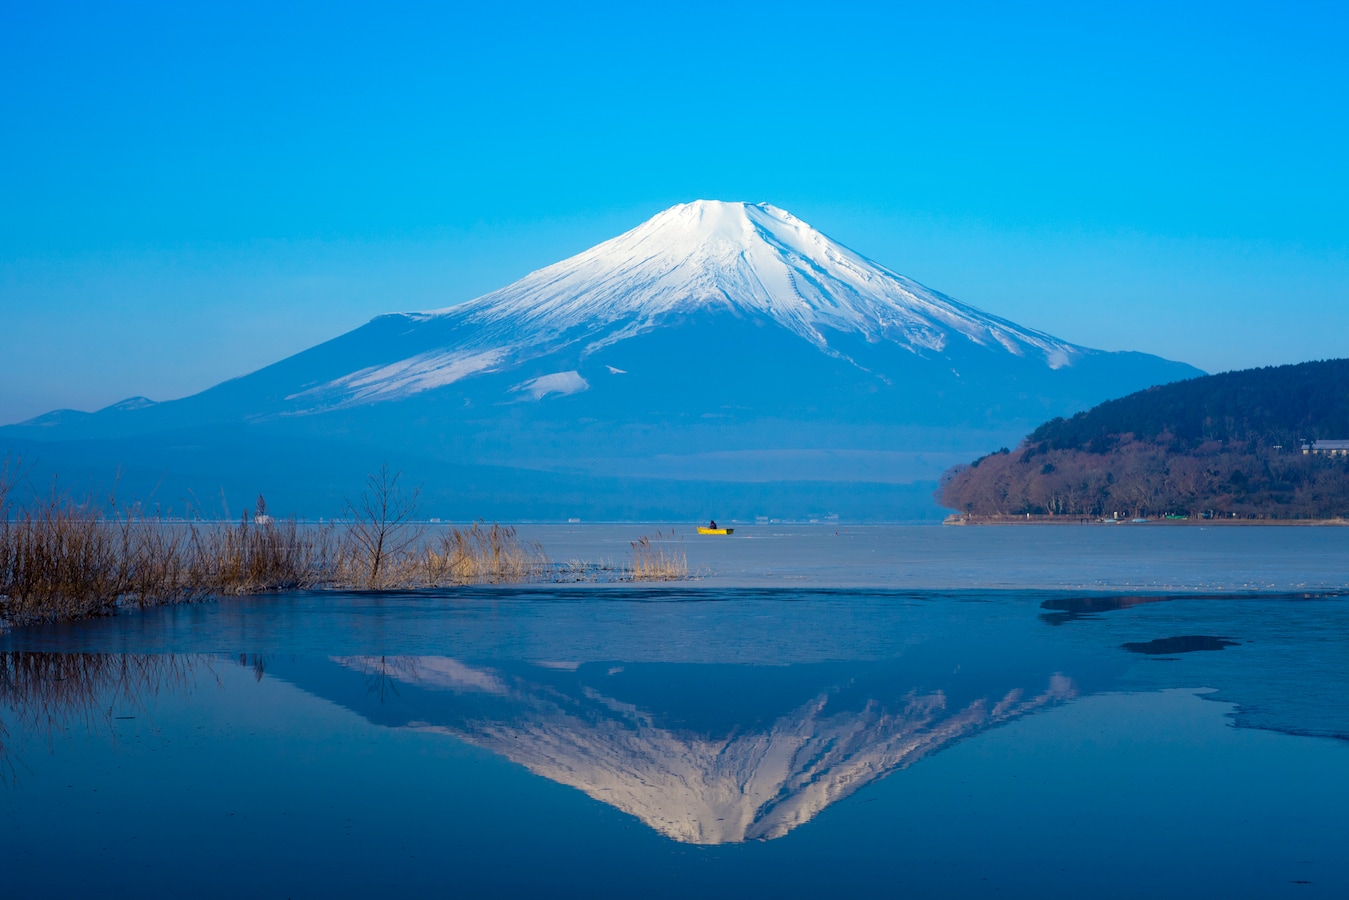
(713, 525)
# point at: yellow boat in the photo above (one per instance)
(704, 530)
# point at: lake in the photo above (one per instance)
(937, 712)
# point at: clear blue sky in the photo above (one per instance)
(191, 191)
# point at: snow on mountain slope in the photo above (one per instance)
(751, 260)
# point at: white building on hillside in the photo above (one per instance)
(1331, 448)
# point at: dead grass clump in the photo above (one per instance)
(160, 562)
(58, 561)
(62, 560)
(481, 554)
(262, 556)
(380, 547)
(478, 554)
(650, 562)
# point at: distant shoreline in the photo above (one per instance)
(1093, 520)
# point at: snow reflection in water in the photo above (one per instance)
(365, 739)
(753, 780)
(703, 754)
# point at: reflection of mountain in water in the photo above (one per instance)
(704, 754)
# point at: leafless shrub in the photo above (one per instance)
(61, 559)
(380, 547)
(379, 534)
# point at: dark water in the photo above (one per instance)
(704, 740)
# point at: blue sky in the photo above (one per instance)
(191, 191)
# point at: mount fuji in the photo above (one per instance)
(722, 356)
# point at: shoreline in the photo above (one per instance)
(1093, 520)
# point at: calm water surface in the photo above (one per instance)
(1113, 712)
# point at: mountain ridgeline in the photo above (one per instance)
(1228, 445)
(719, 358)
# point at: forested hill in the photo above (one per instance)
(1221, 445)
(1277, 405)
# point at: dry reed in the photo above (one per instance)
(651, 562)
(481, 554)
(275, 555)
(478, 554)
(63, 560)
(60, 560)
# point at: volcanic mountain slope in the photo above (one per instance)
(724, 341)
(698, 261)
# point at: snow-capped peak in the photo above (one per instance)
(754, 258)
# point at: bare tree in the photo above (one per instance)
(381, 523)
